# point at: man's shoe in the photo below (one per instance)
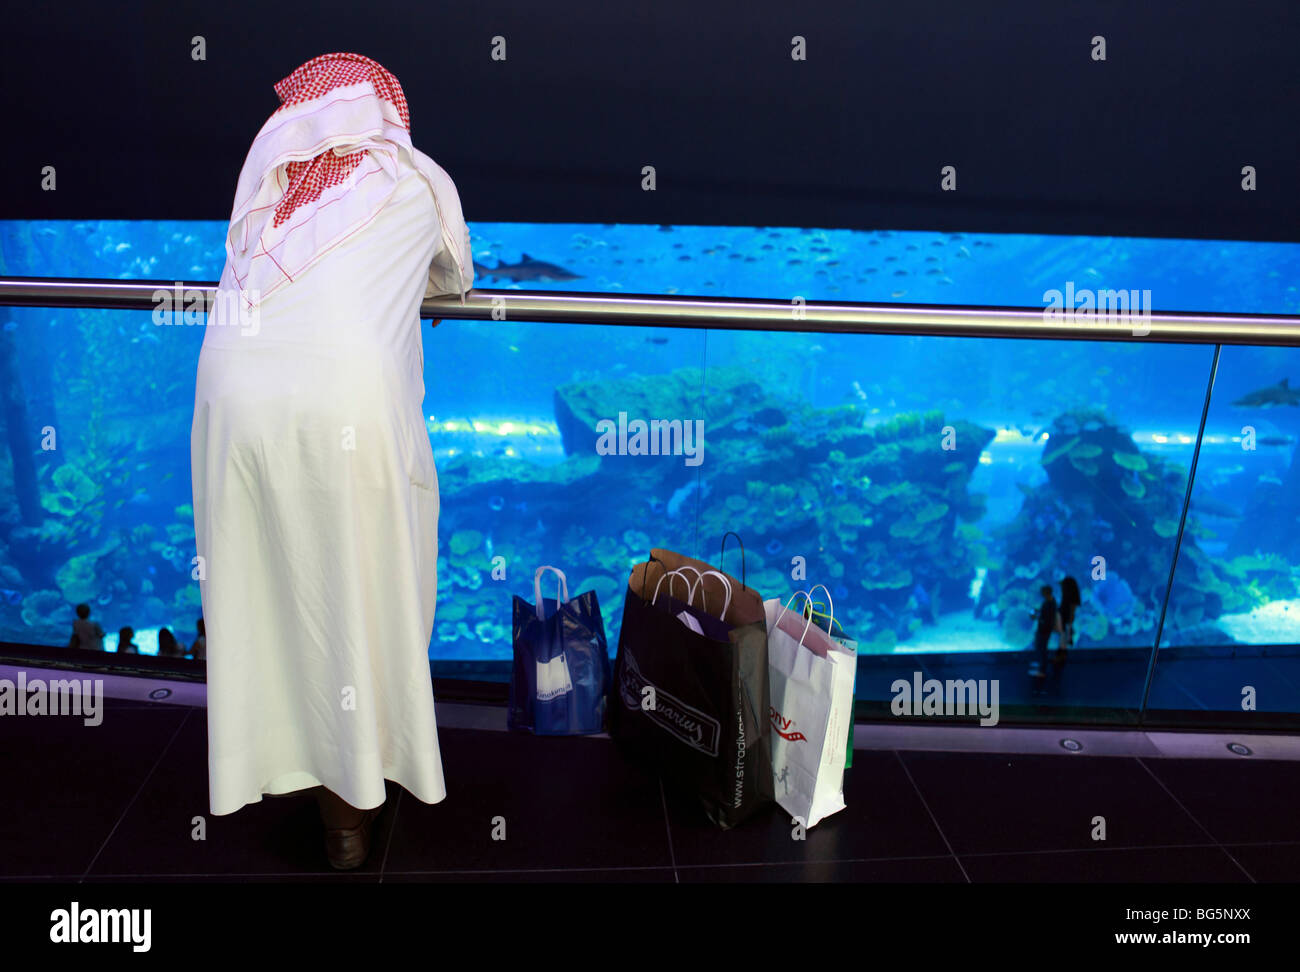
(347, 848)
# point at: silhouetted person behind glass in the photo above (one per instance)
(199, 649)
(125, 644)
(1070, 601)
(1049, 620)
(168, 646)
(86, 634)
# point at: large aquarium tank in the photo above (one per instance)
(933, 485)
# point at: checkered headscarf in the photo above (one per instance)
(321, 168)
(307, 180)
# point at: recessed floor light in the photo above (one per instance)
(160, 693)
(1239, 749)
(1073, 745)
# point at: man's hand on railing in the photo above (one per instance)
(437, 322)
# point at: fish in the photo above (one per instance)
(770, 417)
(680, 496)
(1206, 506)
(528, 268)
(656, 340)
(12, 597)
(1276, 440)
(1274, 396)
(1270, 479)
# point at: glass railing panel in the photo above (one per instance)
(96, 475)
(542, 458)
(1233, 625)
(501, 395)
(935, 485)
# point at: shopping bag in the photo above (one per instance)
(694, 703)
(819, 617)
(811, 684)
(559, 683)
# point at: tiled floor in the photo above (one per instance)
(128, 801)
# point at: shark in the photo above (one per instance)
(527, 268)
(1273, 396)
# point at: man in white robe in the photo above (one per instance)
(315, 492)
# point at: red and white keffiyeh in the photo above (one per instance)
(321, 168)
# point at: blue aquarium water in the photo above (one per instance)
(932, 484)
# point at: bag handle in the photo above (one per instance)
(808, 624)
(726, 586)
(562, 593)
(645, 574)
(829, 603)
(723, 551)
(694, 570)
(672, 573)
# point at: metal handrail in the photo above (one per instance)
(656, 310)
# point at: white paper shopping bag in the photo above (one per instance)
(810, 678)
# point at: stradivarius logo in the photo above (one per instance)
(658, 437)
(784, 727)
(686, 723)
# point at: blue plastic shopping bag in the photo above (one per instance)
(561, 669)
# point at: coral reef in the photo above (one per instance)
(875, 512)
(1107, 504)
